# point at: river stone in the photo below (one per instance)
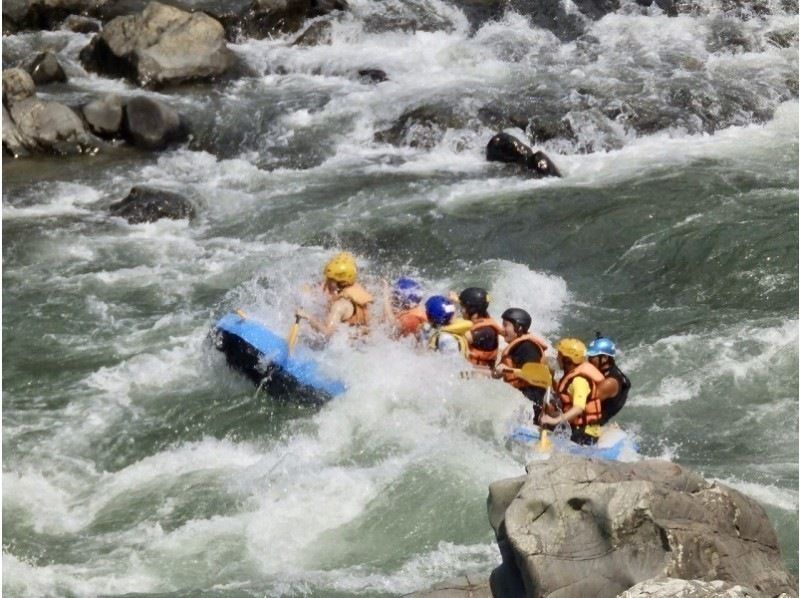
(575, 527)
(50, 127)
(148, 204)
(13, 143)
(151, 124)
(265, 18)
(373, 75)
(79, 24)
(48, 14)
(683, 588)
(45, 69)
(162, 45)
(507, 148)
(316, 34)
(104, 115)
(17, 86)
(466, 586)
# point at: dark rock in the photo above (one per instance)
(162, 45)
(626, 523)
(148, 204)
(668, 6)
(373, 75)
(79, 24)
(151, 124)
(316, 34)
(422, 127)
(45, 69)
(104, 115)
(17, 86)
(50, 127)
(265, 18)
(507, 148)
(782, 38)
(49, 14)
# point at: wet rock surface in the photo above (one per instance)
(148, 204)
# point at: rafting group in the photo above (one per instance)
(590, 392)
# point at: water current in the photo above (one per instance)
(135, 461)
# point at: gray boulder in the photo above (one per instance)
(148, 204)
(104, 115)
(17, 86)
(50, 127)
(507, 148)
(49, 14)
(151, 124)
(162, 45)
(45, 68)
(577, 527)
(13, 143)
(466, 586)
(682, 588)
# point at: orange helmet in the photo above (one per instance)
(341, 268)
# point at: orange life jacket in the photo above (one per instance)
(360, 298)
(409, 321)
(593, 412)
(505, 358)
(482, 357)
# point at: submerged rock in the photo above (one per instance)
(466, 586)
(45, 69)
(148, 204)
(151, 124)
(162, 45)
(80, 24)
(581, 527)
(373, 75)
(265, 18)
(507, 148)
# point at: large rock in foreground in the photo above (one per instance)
(162, 45)
(577, 527)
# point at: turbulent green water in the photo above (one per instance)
(134, 461)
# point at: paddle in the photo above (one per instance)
(291, 338)
(539, 375)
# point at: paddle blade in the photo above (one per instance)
(544, 445)
(291, 338)
(537, 374)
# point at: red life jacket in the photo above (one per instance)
(593, 412)
(483, 357)
(505, 358)
(409, 321)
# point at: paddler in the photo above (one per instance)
(444, 332)
(613, 390)
(577, 390)
(402, 309)
(523, 347)
(483, 337)
(348, 301)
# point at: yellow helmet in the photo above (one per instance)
(341, 268)
(573, 349)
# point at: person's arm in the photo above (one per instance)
(579, 390)
(388, 312)
(608, 388)
(340, 311)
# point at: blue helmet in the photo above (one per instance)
(407, 292)
(601, 346)
(439, 310)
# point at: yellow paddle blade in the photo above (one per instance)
(291, 338)
(458, 326)
(544, 445)
(240, 313)
(537, 374)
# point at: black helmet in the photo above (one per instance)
(475, 299)
(518, 317)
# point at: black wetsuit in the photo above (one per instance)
(612, 405)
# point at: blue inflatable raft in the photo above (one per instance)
(263, 356)
(614, 443)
